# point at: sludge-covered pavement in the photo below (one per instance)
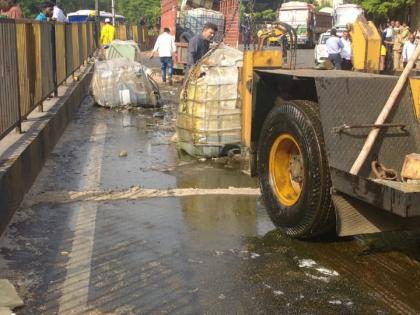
(182, 255)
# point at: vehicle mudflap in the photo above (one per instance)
(357, 217)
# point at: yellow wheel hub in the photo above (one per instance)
(286, 169)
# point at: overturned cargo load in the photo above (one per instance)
(121, 80)
(209, 113)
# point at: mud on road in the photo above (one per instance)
(213, 253)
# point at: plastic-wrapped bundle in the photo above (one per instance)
(120, 81)
(195, 19)
(123, 49)
(209, 114)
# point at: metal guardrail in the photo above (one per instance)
(36, 58)
(9, 92)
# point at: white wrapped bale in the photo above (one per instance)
(121, 82)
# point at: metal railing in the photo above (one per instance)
(9, 81)
(36, 58)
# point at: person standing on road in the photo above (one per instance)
(408, 50)
(46, 12)
(389, 44)
(284, 43)
(334, 47)
(199, 45)
(166, 48)
(107, 33)
(247, 32)
(346, 52)
(417, 35)
(383, 57)
(397, 48)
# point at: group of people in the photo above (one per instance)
(339, 50)
(198, 46)
(49, 11)
(10, 9)
(398, 44)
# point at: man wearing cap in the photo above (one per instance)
(107, 33)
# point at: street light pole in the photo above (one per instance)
(97, 23)
(113, 12)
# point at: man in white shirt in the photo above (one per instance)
(334, 47)
(166, 48)
(58, 14)
(408, 50)
(346, 52)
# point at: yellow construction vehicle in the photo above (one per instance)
(327, 151)
(271, 34)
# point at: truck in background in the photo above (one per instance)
(172, 17)
(309, 23)
(345, 14)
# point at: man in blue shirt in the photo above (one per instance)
(47, 9)
(334, 47)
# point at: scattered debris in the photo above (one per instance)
(123, 154)
(321, 278)
(6, 311)
(267, 286)
(9, 299)
(174, 138)
(306, 263)
(327, 272)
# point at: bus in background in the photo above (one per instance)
(84, 15)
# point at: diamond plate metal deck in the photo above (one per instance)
(359, 100)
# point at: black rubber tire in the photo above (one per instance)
(186, 36)
(313, 214)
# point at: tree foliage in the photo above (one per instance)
(266, 15)
(386, 8)
(133, 10)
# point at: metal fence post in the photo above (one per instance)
(54, 58)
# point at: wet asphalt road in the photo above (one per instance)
(183, 255)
